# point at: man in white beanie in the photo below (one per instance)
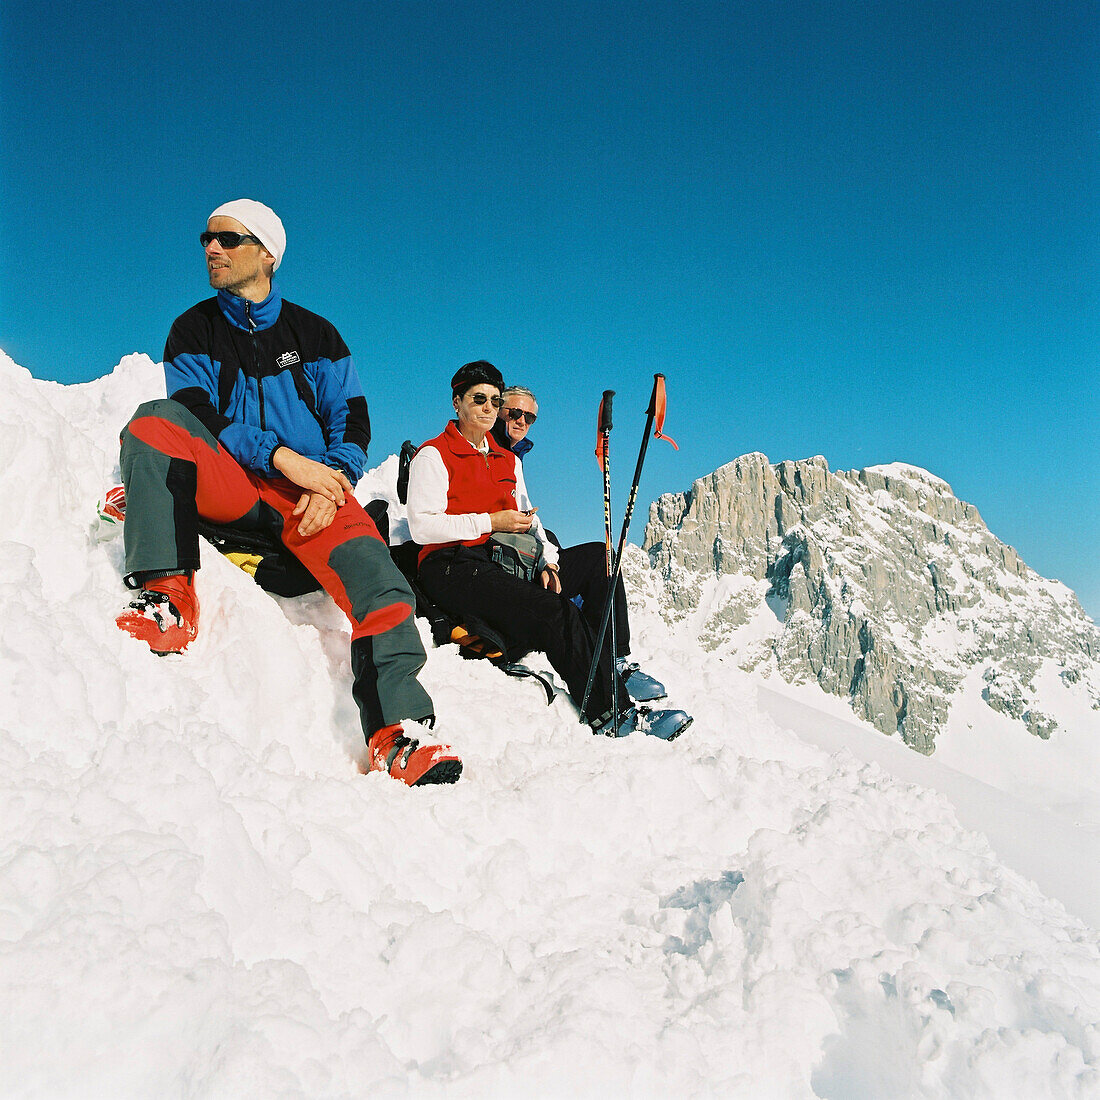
(265, 432)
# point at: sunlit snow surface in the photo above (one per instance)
(201, 896)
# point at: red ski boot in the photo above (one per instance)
(389, 750)
(164, 614)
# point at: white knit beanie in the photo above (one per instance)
(261, 221)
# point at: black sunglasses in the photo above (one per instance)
(481, 398)
(516, 414)
(228, 239)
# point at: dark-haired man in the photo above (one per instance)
(265, 429)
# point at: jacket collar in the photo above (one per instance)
(263, 314)
(462, 447)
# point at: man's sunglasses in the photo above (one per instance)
(481, 398)
(228, 239)
(516, 414)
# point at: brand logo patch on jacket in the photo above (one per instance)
(288, 359)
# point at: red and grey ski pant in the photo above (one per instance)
(175, 471)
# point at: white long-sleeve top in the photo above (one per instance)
(426, 506)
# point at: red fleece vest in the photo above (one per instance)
(475, 482)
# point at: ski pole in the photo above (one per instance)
(603, 453)
(603, 456)
(656, 411)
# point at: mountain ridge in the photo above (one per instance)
(883, 586)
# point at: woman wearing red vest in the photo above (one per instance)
(463, 489)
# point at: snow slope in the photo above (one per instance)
(200, 896)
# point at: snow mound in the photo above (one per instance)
(200, 895)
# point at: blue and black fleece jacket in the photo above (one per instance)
(260, 375)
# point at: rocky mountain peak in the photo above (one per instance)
(880, 584)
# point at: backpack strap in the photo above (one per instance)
(518, 670)
(379, 511)
(408, 451)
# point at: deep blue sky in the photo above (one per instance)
(869, 230)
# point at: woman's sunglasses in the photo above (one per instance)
(228, 239)
(516, 414)
(481, 398)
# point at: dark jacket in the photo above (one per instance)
(264, 374)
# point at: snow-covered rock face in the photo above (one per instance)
(882, 586)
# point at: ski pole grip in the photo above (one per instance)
(658, 390)
(605, 411)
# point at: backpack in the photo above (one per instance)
(263, 556)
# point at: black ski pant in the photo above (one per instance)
(583, 573)
(464, 581)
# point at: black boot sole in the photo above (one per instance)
(446, 771)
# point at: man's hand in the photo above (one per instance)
(316, 477)
(512, 521)
(317, 512)
(550, 579)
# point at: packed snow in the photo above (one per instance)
(201, 896)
